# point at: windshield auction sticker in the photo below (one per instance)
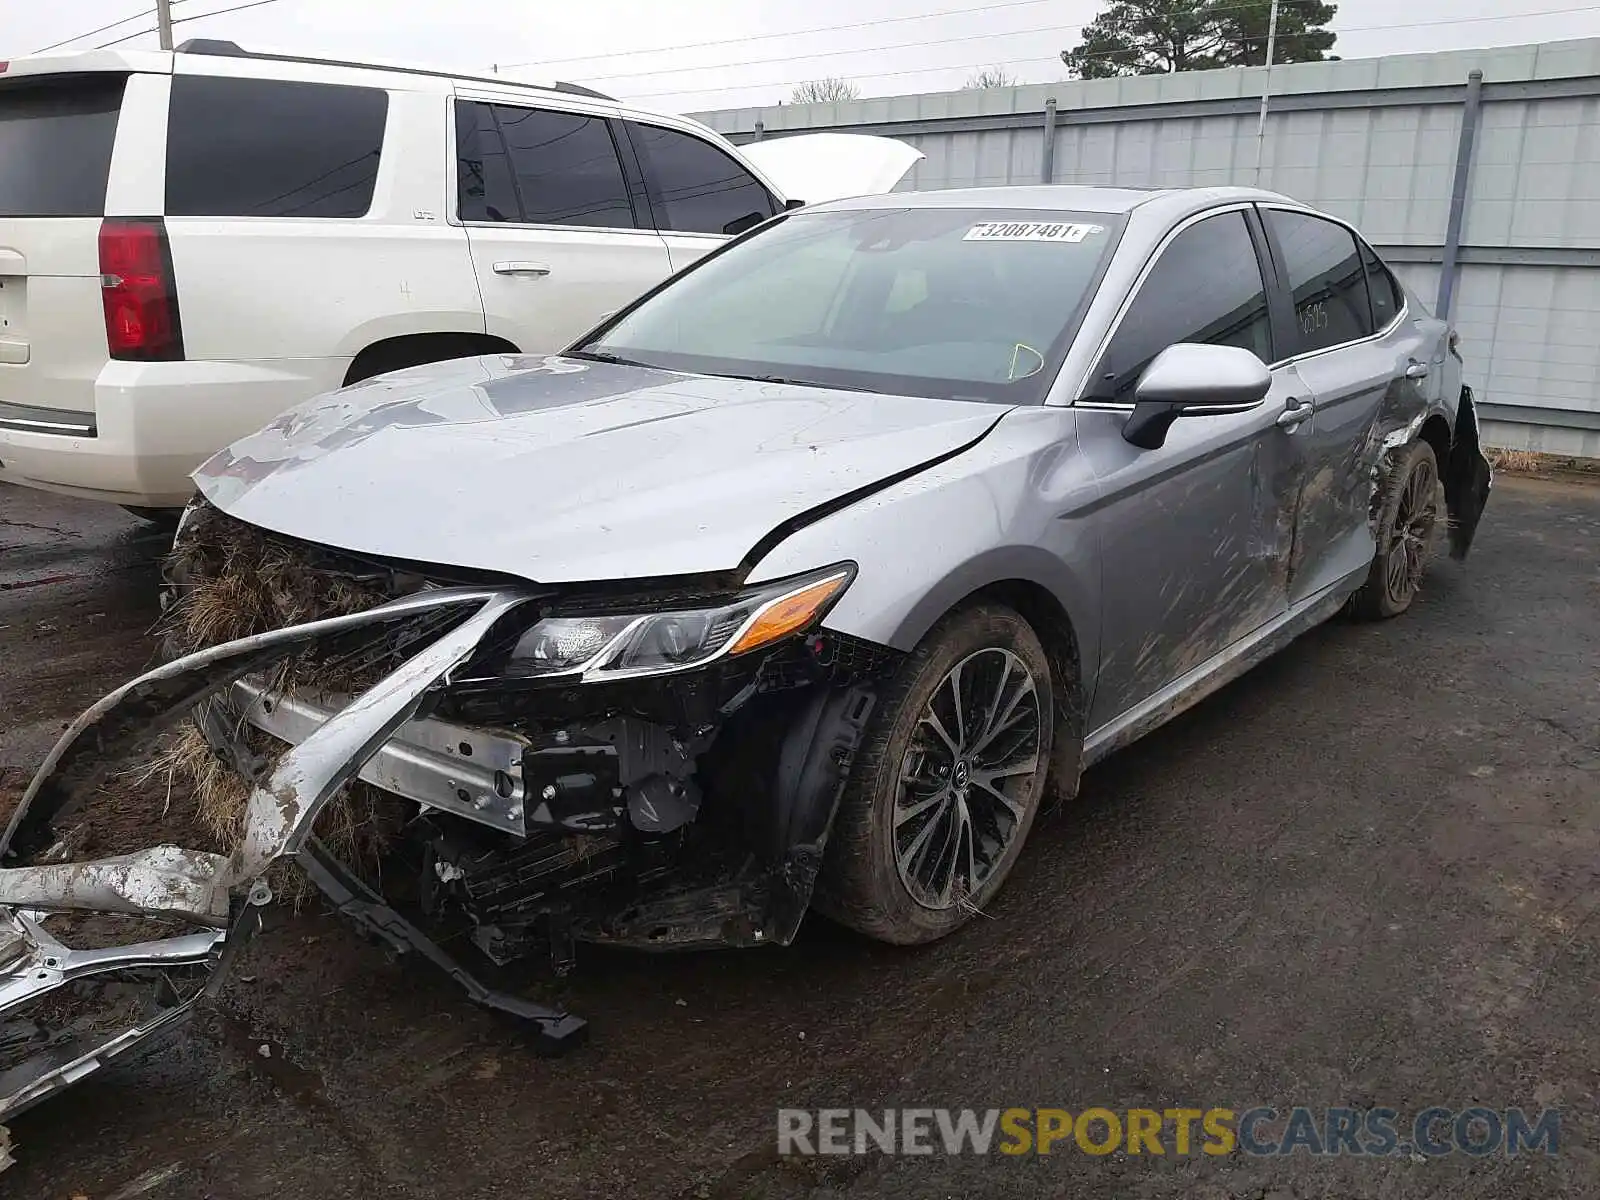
(1031, 231)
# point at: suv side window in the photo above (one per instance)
(1206, 287)
(539, 166)
(1387, 297)
(484, 187)
(695, 187)
(272, 147)
(1328, 285)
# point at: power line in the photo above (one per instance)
(977, 37)
(181, 20)
(767, 37)
(77, 36)
(149, 12)
(757, 62)
(1110, 56)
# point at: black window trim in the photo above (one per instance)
(1281, 267)
(627, 122)
(642, 220)
(1269, 278)
(1363, 244)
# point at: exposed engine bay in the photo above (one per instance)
(510, 797)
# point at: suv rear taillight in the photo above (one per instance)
(140, 295)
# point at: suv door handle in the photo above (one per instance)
(1417, 370)
(520, 268)
(1295, 411)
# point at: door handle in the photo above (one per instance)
(1417, 370)
(1295, 411)
(520, 268)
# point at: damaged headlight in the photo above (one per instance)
(612, 647)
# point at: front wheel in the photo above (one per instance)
(947, 783)
(1406, 518)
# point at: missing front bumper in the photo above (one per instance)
(384, 736)
(173, 884)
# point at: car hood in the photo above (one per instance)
(560, 470)
(816, 167)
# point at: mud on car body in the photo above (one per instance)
(794, 585)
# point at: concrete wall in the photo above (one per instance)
(1373, 140)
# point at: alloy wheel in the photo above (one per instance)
(1414, 520)
(964, 782)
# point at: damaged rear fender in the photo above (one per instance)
(1468, 477)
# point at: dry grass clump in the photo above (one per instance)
(359, 826)
(1515, 462)
(1535, 462)
(236, 581)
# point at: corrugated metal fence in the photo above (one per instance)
(1512, 133)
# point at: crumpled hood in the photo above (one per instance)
(559, 470)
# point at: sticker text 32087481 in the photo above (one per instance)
(1031, 231)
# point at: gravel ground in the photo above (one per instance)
(1363, 875)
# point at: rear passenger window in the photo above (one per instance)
(566, 168)
(1326, 278)
(694, 187)
(486, 191)
(271, 148)
(1387, 297)
(55, 145)
(1206, 287)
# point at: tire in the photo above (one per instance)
(1406, 519)
(864, 882)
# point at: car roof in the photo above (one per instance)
(1048, 197)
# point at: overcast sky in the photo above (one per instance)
(693, 55)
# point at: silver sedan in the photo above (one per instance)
(798, 583)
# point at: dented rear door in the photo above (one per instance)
(1368, 368)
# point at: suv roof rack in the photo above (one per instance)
(226, 49)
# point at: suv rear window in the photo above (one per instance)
(55, 145)
(272, 148)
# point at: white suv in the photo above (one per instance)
(191, 243)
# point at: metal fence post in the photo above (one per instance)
(761, 129)
(1458, 195)
(1047, 157)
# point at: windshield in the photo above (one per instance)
(960, 304)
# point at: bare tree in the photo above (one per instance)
(820, 91)
(990, 77)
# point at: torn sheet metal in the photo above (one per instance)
(161, 880)
(36, 964)
(157, 698)
(171, 882)
(284, 808)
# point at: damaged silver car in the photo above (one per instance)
(797, 584)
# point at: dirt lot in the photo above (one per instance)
(1365, 874)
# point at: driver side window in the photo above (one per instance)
(1206, 287)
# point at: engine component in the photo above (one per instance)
(587, 778)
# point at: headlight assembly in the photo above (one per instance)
(619, 647)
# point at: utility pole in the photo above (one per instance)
(164, 23)
(1266, 87)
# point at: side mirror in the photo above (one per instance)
(1189, 379)
(791, 205)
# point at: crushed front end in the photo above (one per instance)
(654, 766)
